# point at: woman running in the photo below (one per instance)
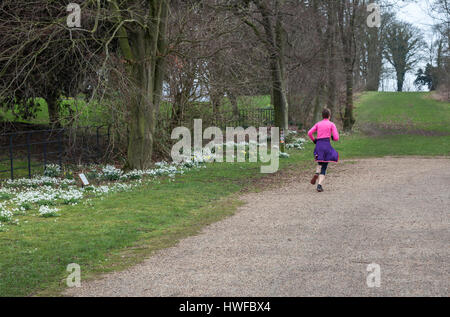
(324, 152)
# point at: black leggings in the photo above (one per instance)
(324, 168)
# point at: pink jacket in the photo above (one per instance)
(324, 129)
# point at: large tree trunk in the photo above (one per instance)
(234, 103)
(275, 43)
(400, 80)
(374, 60)
(144, 50)
(331, 62)
(327, 76)
(374, 76)
(53, 110)
(347, 16)
(280, 45)
(317, 109)
(280, 102)
(142, 121)
(348, 115)
(142, 108)
(216, 102)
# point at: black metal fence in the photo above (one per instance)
(243, 118)
(27, 150)
(247, 118)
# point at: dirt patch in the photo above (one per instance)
(376, 130)
(441, 95)
(271, 181)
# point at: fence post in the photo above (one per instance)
(28, 155)
(11, 156)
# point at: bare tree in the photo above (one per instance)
(375, 51)
(403, 45)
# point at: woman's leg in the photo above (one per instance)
(323, 172)
(316, 176)
(321, 179)
(318, 169)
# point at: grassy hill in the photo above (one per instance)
(412, 112)
(398, 124)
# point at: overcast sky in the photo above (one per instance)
(416, 13)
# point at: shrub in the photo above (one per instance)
(52, 170)
(111, 173)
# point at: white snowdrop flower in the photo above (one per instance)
(297, 144)
(38, 181)
(111, 173)
(5, 215)
(46, 211)
(101, 189)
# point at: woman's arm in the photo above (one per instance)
(310, 132)
(335, 132)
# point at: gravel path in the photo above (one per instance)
(293, 241)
